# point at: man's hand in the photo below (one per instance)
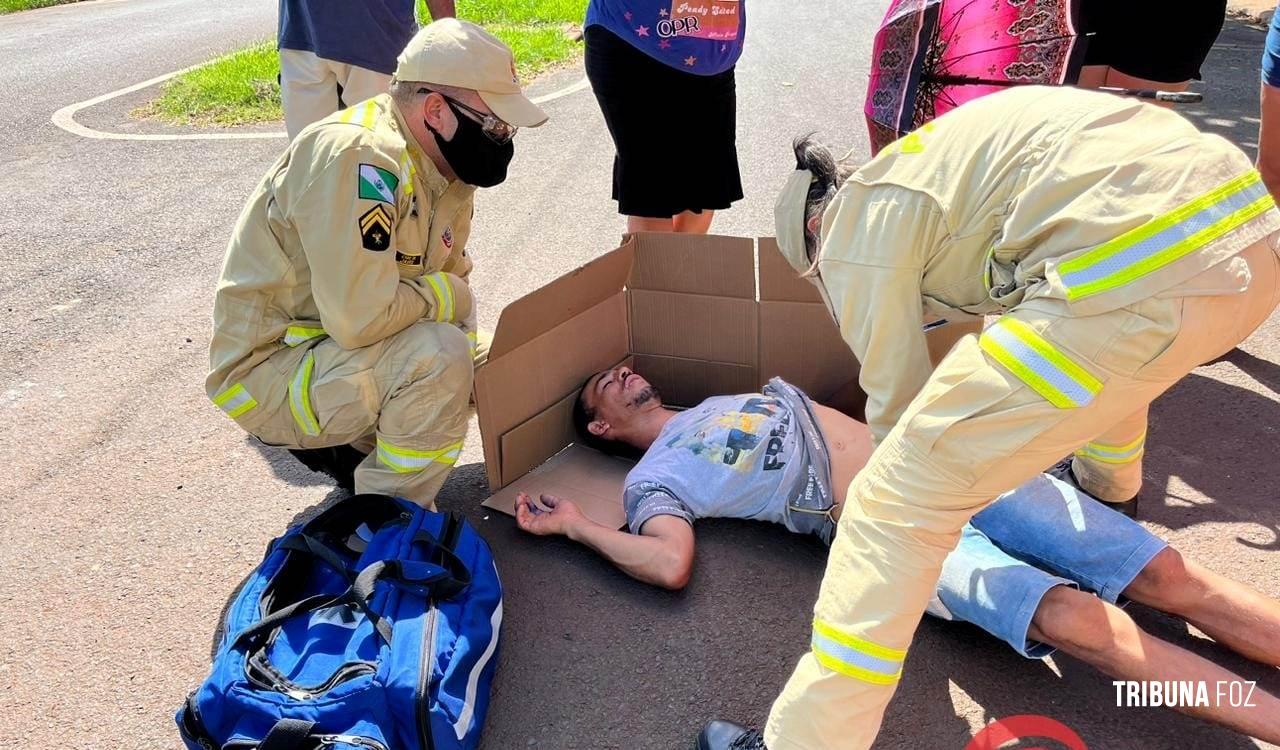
(562, 517)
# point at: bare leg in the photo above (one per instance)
(1097, 76)
(648, 224)
(693, 223)
(1269, 139)
(1231, 613)
(1093, 76)
(1102, 635)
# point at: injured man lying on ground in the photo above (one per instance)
(1041, 568)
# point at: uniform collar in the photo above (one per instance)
(431, 177)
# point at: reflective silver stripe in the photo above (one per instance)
(405, 460)
(855, 657)
(1166, 238)
(300, 397)
(1036, 362)
(295, 335)
(442, 290)
(1115, 454)
(235, 400)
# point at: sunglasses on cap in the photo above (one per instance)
(496, 130)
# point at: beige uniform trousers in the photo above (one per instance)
(309, 87)
(403, 400)
(975, 431)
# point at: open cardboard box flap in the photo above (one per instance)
(688, 312)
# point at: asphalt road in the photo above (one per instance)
(130, 509)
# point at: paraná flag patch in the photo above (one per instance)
(378, 184)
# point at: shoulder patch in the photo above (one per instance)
(378, 184)
(375, 228)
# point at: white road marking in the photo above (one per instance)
(65, 117)
(572, 88)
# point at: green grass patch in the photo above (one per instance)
(533, 29)
(13, 6)
(242, 88)
(536, 48)
(519, 12)
(238, 89)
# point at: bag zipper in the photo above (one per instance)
(273, 679)
(427, 660)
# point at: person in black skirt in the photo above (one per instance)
(1147, 44)
(662, 71)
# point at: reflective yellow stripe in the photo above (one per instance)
(1115, 454)
(407, 173)
(912, 143)
(235, 401)
(366, 118)
(471, 337)
(443, 292)
(1034, 361)
(295, 335)
(300, 397)
(406, 460)
(1167, 238)
(855, 657)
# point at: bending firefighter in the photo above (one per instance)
(343, 320)
(1120, 247)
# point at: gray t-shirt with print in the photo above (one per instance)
(729, 457)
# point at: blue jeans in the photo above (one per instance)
(1046, 533)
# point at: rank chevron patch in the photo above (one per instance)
(375, 228)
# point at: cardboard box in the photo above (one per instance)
(696, 315)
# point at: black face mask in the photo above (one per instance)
(472, 155)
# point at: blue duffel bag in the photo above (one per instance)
(374, 626)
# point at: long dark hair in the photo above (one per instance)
(829, 174)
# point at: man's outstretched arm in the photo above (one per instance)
(661, 554)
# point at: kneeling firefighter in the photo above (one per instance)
(1120, 248)
(343, 318)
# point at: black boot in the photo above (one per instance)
(725, 735)
(1063, 471)
(338, 462)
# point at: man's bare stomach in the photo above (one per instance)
(849, 446)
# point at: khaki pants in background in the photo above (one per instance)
(309, 87)
(975, 431)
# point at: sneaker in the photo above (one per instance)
(1062, 471)
(725, 735)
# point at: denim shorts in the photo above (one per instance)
(1046, 533)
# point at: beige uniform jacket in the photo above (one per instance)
(995, 202)
(353, 233)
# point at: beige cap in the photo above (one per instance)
(457, 53)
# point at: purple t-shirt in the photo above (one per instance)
(697, 36)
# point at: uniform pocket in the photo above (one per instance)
(958, 424)
(345, 403)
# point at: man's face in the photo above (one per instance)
(617, 396)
